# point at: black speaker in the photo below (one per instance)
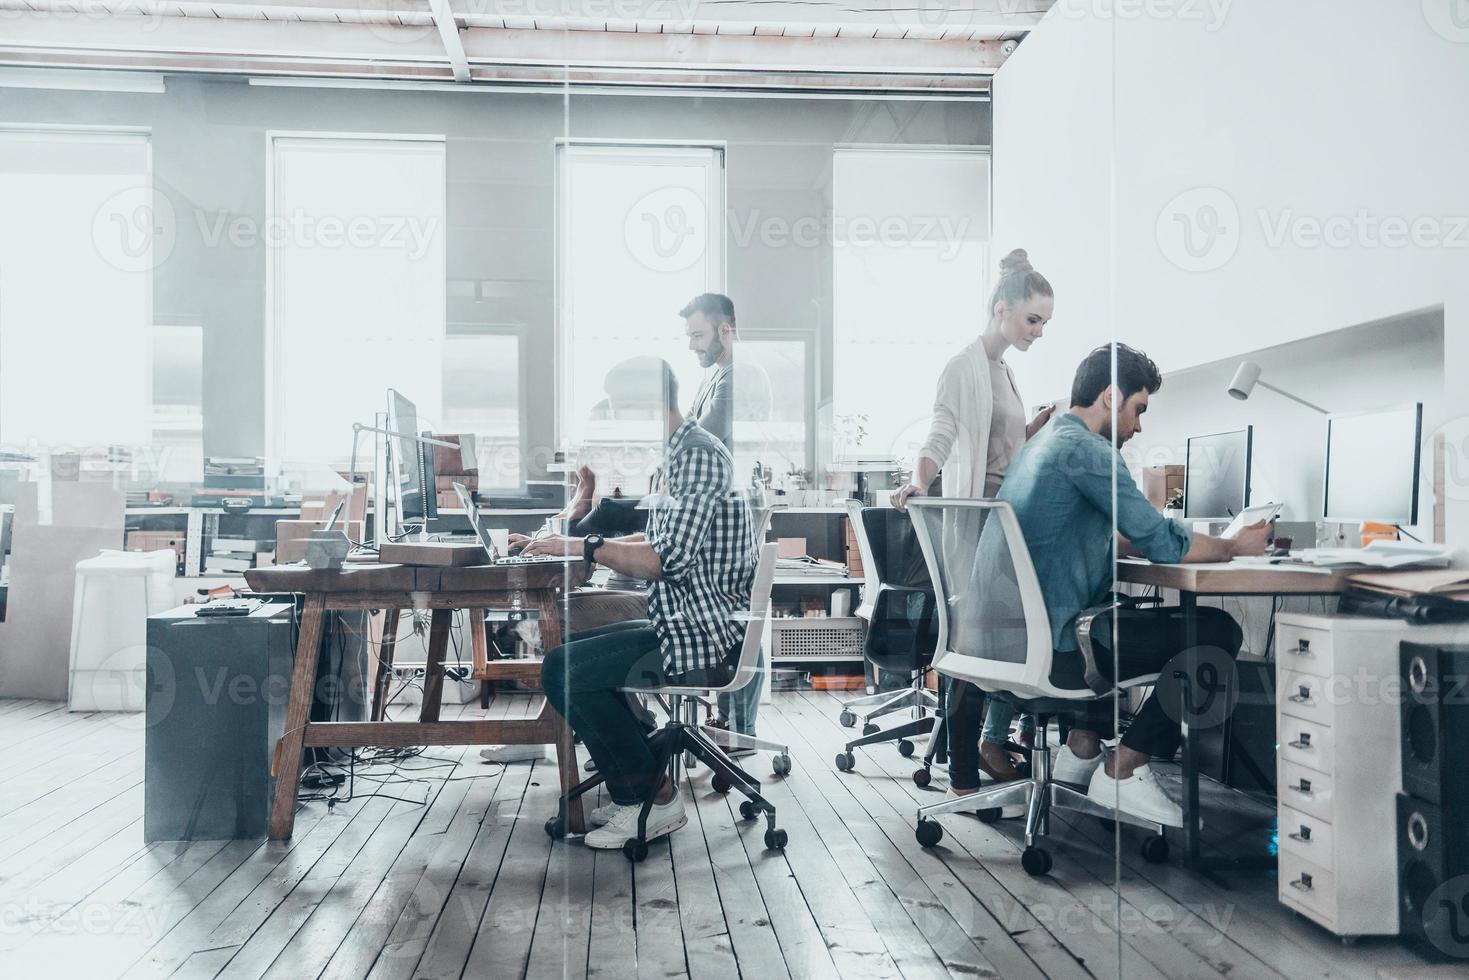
(1433, 876)
(1435, 723)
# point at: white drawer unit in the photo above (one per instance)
(1338, 766)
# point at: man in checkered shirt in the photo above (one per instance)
(699, 554)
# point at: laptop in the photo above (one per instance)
(471, 509)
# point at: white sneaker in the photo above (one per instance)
(663, 820)
(1139, 795)
(602, 815)
(513, 753)
(1009, 811)
(1067, 767)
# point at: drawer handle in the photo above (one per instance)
(1302, 698)
(1303, 882)
(1301, 649)
(1303, 787)
(1304, 742)
(1304, 836)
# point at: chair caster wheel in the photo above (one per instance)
(719, 783)
(847, 719)
(870, 729)
(556, 828)
(634, 850)
(748, 810)
(989, 814)
(929, 833)
(922, 777)
(1035, 861)
(905, 748)
(775, 840)
(780, 764)
(846, 762)
(1155, 849)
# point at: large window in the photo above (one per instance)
(640, 231)
(177, 418)
(911, 264)
(80, 238)
(356, 285)
(482, 397)
(774, 408)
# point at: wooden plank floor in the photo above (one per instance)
(457, 879)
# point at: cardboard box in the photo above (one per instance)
(156, 541)
(1161, 482)
(291, 535)
(461, 460)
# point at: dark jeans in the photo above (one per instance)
(582, 679)
(963, 716)
(1147, 639)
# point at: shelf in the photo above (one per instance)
(816, 580)
(808, 510)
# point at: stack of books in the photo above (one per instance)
(232, 556)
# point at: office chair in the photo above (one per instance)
(898, 604)
(995, 633)
(682, 733)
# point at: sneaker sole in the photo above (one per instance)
(652, 836)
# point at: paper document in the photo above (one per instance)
(1381, 554)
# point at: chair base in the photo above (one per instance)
(1039, 794)
(669, 744)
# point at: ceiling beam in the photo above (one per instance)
(449, 34)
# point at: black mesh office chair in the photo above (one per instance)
(902, 633)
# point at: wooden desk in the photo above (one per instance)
(1222, 579)
(393, 588)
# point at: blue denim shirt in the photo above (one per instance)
(1060, 485)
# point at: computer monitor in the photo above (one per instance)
(1216, 475)
(1372, 461)
(413, 463)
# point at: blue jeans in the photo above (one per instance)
(583, 678)
(997, 718)
(741, 707)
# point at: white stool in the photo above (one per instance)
(116, 592)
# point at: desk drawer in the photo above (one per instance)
(1304, 742)
(1304, 696)
(1310, 837)
(1306, 790)
(1307, 651)
(1308, 886)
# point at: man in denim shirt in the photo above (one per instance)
(1062, 486)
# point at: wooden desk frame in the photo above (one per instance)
(1237, 581)
(392, 589)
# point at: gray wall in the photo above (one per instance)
(209, 156)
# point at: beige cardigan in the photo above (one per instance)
(959, 436)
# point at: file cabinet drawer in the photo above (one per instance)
(1305, 743)
(1309, 887)
(1305, 789)
(1307, 651)
(1305, 835)
(1304, 696)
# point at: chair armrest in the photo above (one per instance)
(1094, 678)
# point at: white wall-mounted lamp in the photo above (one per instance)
(1247, 375)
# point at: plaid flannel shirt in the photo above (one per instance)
(700, 526)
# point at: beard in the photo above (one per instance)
(711, 355)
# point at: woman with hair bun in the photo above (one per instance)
(978, 427)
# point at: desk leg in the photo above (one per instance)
(382, 683)
(298, 712)
(433, 674)
(1188, 603)
(550, 623)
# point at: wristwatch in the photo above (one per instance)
(589, 546)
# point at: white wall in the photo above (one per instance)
(1304, 113)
